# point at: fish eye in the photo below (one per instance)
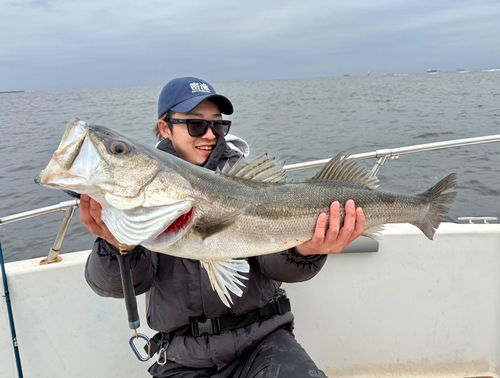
(119, 148)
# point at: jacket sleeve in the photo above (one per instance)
(287, 267)
(102, 271)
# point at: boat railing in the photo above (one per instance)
(69, 207)
(394, 153)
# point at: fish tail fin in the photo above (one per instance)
(440, 203)
(224, 277)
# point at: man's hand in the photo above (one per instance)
(335, 239)
(90, 215)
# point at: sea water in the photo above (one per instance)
(294, 120)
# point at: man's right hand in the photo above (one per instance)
(90, 215)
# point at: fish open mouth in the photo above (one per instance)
(180, 223)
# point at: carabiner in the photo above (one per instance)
(163, 351)
(134, 349)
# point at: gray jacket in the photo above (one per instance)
(178, 288)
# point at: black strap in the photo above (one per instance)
(157, 342)
(213, 326)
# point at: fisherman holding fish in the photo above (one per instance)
(200, 336)
(189, 221)
(254, 336)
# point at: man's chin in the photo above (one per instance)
(201, 159)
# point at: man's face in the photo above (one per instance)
(191, 149)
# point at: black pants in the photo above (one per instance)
(278, 355)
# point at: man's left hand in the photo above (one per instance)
(335, 239)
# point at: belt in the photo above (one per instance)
(213, 326)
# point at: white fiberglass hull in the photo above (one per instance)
(414, 308)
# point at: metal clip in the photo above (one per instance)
(162, 353)
(134, 349)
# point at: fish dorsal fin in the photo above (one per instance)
(261, 170)
(342, 169)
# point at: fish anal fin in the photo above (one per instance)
(374, 232)
(207, 229)
(340, 168)
(224, 277)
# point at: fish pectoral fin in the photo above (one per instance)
(374, 232)
(207, 229)
(224, 277)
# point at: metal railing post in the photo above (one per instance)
(69, 207)
(380, 162)
(53, 255)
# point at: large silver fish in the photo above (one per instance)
(154, 199)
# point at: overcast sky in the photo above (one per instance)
(56, 44)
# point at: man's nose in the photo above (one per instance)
(210, 134)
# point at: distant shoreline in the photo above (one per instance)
(12, 92)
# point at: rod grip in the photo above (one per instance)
(128, 290)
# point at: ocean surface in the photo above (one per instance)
(295, 120)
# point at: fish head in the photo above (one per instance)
(73, 163)
(91, 158)
(141, 190)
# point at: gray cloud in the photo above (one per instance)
(62, 45)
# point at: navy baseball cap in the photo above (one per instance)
(185, 93)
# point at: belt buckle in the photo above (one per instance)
(207, 326)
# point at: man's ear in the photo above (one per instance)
(164, 129)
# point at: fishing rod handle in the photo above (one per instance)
(128, 290)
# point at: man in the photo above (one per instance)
(253, 337)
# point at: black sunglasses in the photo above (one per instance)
(199, 127)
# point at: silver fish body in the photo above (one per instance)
(170, 206)
(278, 217)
